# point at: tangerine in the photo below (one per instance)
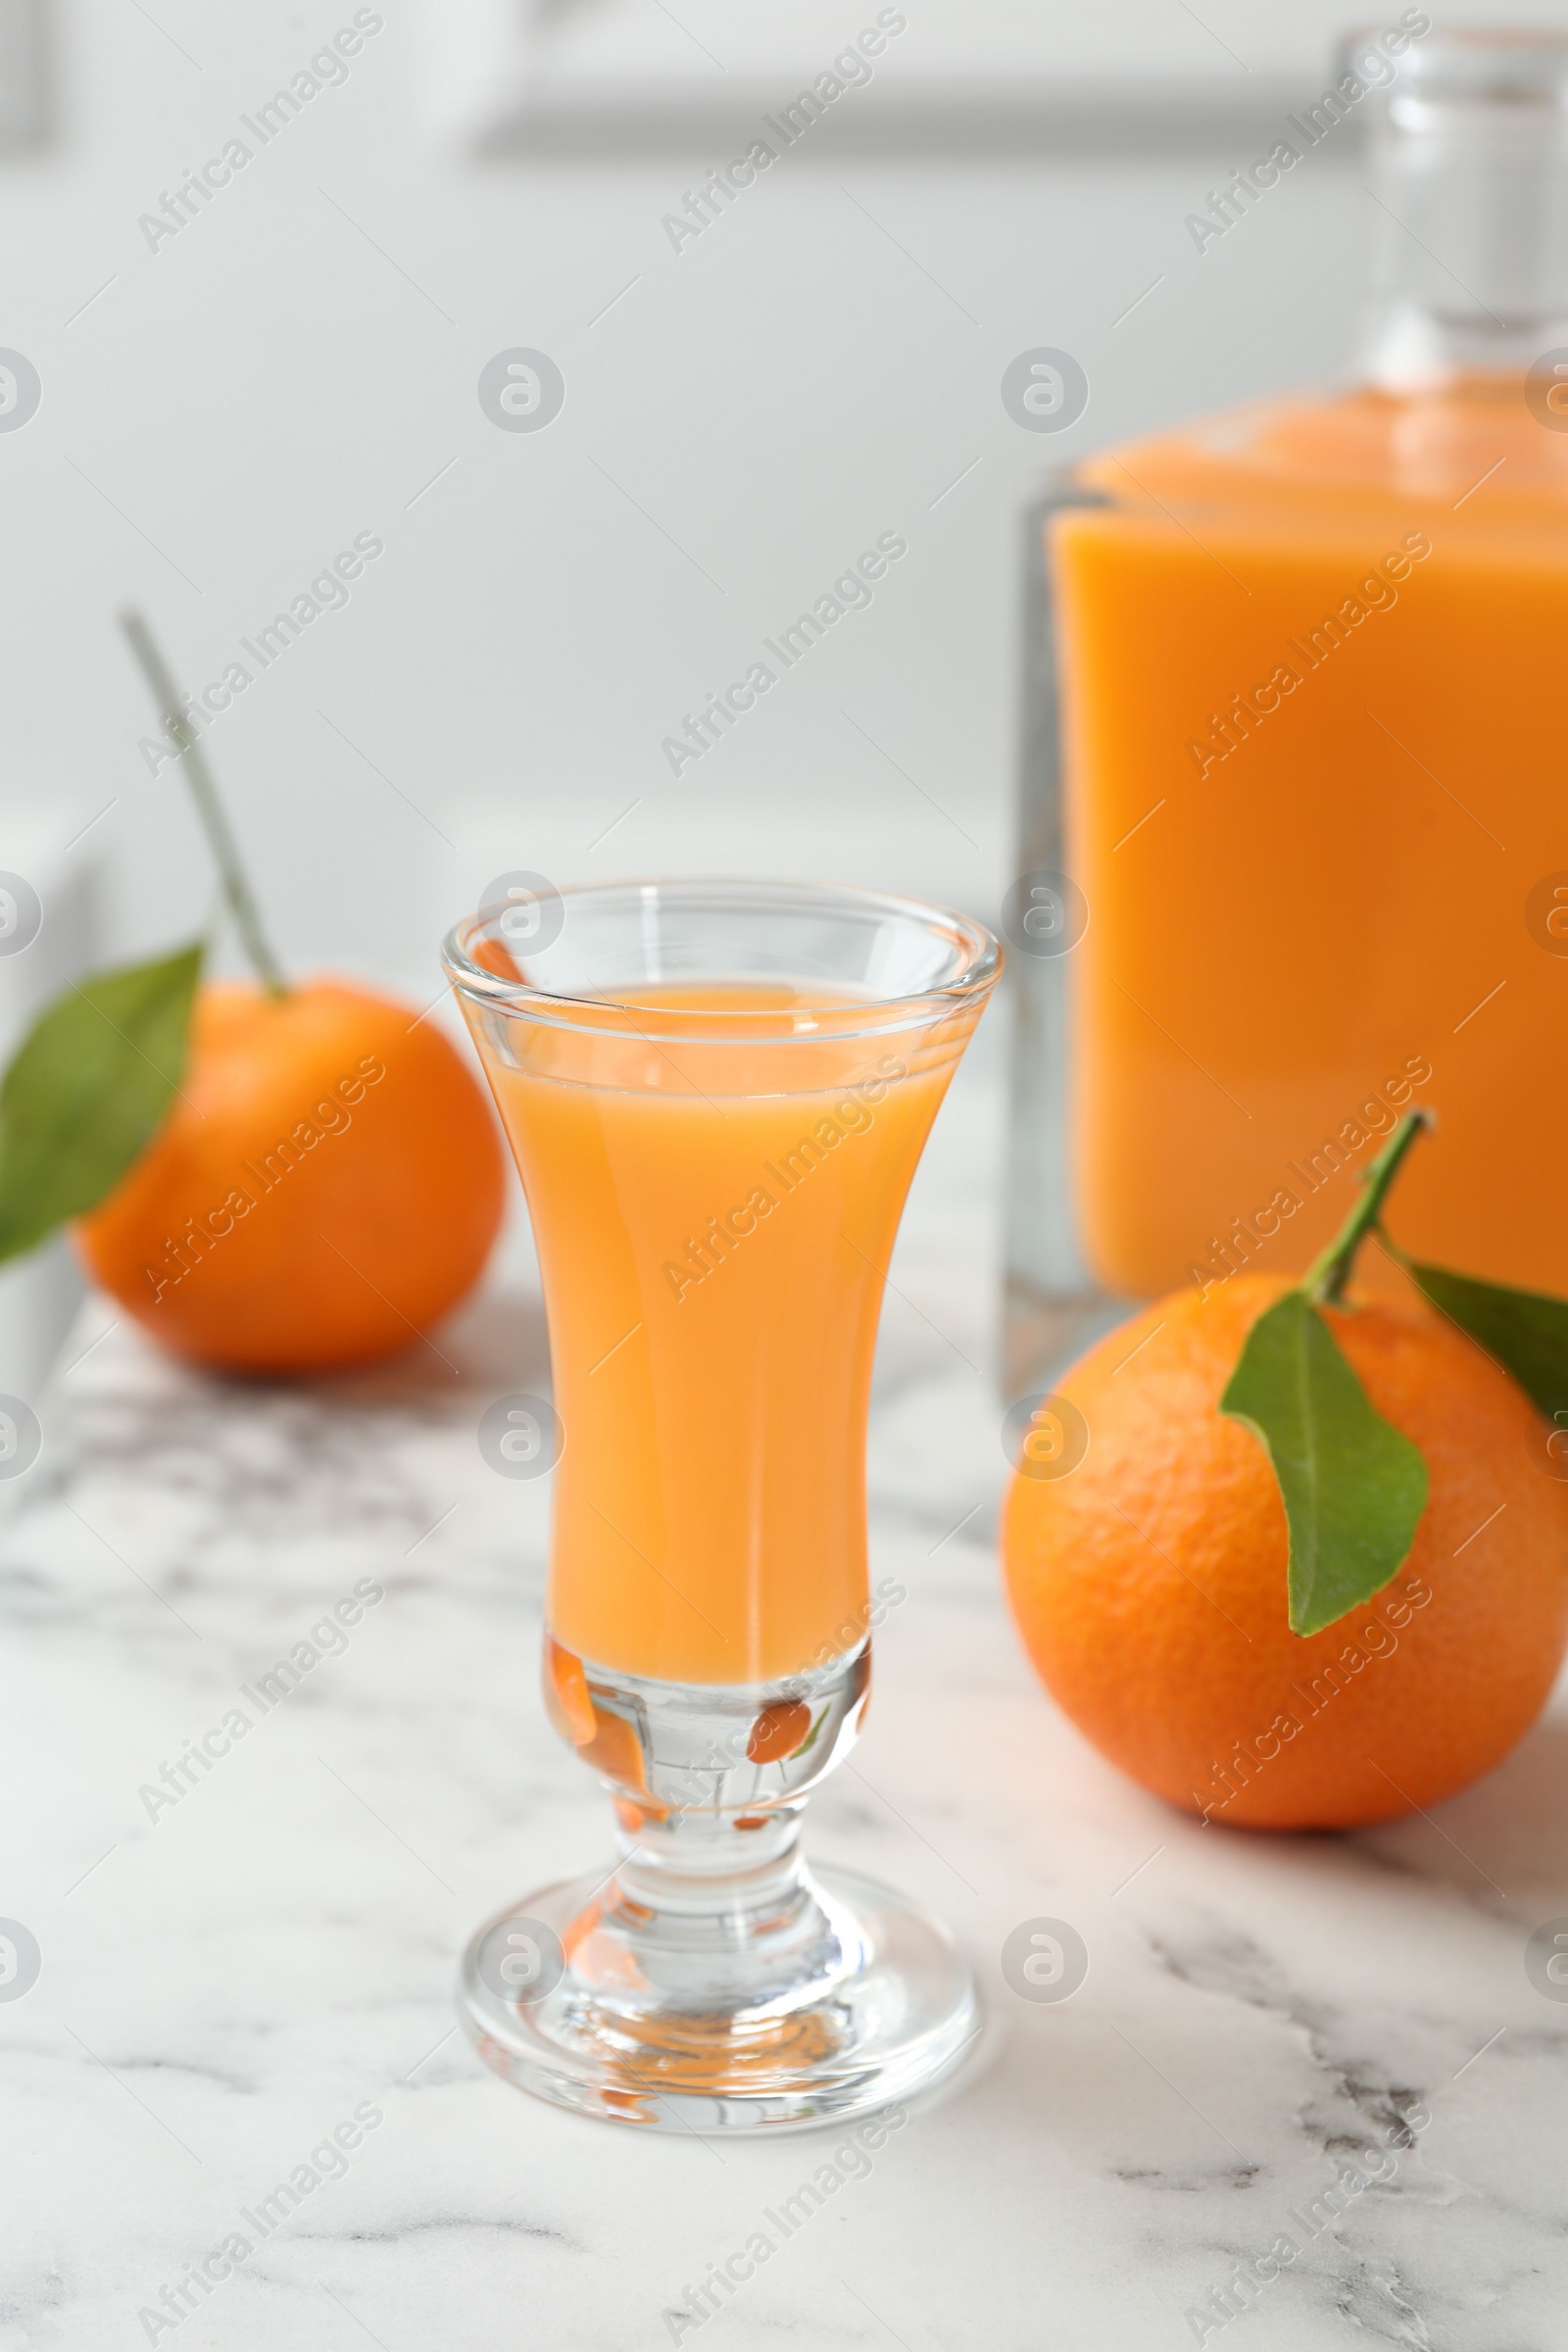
(1150, 1583)
(326, 1185)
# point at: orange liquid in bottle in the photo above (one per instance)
(1313, 775)
(713, 1249)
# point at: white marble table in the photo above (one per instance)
(229, 1979)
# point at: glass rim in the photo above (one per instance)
(1468, 63)
(978, 948)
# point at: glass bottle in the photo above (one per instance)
(1294, 845)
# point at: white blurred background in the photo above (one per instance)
(743, 416)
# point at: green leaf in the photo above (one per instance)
(86, 1090)
(1526, 1332)
(1353, 1485)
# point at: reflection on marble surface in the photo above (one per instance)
(237, 1979)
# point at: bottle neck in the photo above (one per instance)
(1470, 234)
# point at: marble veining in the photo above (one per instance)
(232, 1976)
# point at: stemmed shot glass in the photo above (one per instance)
(716, 1094)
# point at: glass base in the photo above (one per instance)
(854, 1999)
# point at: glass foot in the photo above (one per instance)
(853, 2000)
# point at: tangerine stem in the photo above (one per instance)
(1325, 1277)
(209, 808)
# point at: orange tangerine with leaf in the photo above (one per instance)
(269, 1178)
(1310, 1568)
